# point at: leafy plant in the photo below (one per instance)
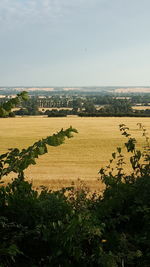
(125, 205)
(69, 227)
(5, 108)
(18, 160)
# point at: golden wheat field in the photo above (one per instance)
(80, 157)
(141, 107)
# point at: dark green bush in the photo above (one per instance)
(69, 228)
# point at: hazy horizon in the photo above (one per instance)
(73, 86)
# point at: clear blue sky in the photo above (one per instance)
(74, 42)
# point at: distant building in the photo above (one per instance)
(11, 96)
(41, 97)
(122, 97)
(2, 96)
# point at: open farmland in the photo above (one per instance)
(141, 107)
(79, 158)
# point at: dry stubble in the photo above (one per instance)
(79, 158)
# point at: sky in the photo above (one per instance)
(74, 43)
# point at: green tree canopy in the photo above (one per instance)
(5, 108)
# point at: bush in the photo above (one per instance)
(56, 113)
(69, 228)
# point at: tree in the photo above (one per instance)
(5, 108)
(89, 107)
(30, 107)
(118, 107)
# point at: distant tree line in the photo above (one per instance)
(117, 108)
(81, 105)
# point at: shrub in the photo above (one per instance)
(69, 228)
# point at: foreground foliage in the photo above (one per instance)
(69, 228)
(6, 108)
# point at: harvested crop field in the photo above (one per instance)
(80, 157)
(141, 107)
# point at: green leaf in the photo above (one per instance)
(114, 155)
(119, 149)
